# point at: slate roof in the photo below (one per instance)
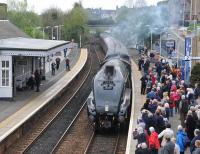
(30, 44)
(9, 30)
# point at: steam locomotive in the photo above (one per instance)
(109, 103)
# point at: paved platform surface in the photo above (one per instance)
(7, 108)
(137, 103)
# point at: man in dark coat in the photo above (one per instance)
(196, 91)
(57, 63)
(31, 82)
(159, 69)
(67, 61)
(53, 65)
(183, 108)
(141, 63)
(190, 125)
(146, 66)
(144, 81)
(37, 80)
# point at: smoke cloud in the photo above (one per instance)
(135, 25)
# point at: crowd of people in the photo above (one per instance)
(167, 95)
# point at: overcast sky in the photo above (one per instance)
(40, 5)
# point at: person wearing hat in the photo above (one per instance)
(197, 137)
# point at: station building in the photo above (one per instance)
(21, 55)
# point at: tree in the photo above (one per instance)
(53, 17)
(26, 20)
(76, 23)
(195, 74)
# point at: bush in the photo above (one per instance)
(195, 74)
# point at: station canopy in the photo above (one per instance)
(30, 47)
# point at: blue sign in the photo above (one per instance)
(188, 53)
(188, 46)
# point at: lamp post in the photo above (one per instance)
(43, 32)
(56, 32)
(44, 29)
(195, 12)
(80, 40)
(81, 32)
(184, 5)
(191, 10)
(60, 31)
(52, 33)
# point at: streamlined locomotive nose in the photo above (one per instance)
(110, 98)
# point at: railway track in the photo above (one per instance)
(80, 137)
(109, 143)
(101, 144)
(80, 129)
(49, 129)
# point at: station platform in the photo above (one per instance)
(15, 113)
(7, 108)
(137, 103)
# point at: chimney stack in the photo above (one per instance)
(3, 11)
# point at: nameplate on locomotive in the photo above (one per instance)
(108, 85)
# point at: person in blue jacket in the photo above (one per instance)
(180, 137)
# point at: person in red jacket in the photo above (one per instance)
(175, 98)
(154, 144)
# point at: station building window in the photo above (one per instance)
(5, 73)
